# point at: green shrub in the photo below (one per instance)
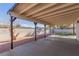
(64, 33)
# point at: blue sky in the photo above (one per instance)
(3, 12)
(5, 18)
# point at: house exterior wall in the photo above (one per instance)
(77, 30)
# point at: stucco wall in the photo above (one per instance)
(77, 30)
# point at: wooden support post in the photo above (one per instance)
(35, 31)
(53, 30)
(11, 29)
(45, 30)
(73, 29)
(50, 30)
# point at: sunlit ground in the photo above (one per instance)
(20, 34)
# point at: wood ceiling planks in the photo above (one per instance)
(49, 13)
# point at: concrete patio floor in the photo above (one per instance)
(46, 47)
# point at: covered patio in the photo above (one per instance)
(50, 14)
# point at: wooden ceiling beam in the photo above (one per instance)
(68, 19)
(42, 8)
(68, 10)
(55, 22)
(29, 19)
(52, 10)
(74, 13)
(29, 7)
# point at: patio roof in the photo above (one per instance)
(47, 13)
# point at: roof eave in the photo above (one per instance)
(12, 8)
